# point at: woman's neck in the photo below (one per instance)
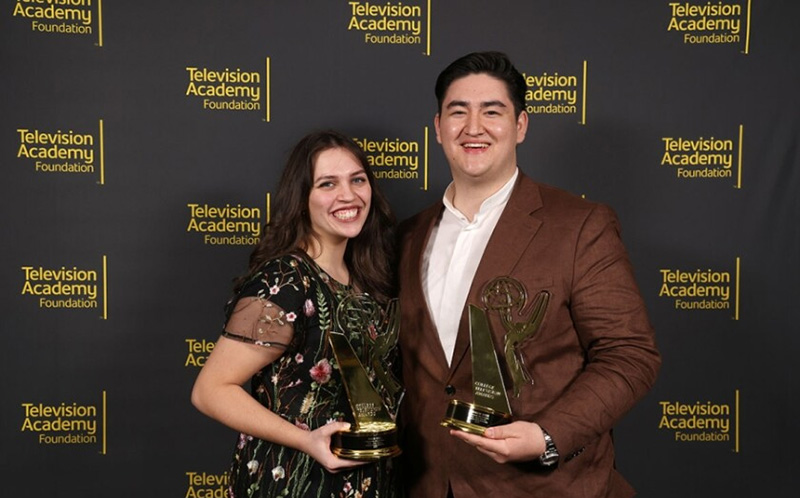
(330, 259)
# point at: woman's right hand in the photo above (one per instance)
(319, 448)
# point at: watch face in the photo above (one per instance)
(548, 458)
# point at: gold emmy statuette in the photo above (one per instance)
(491, 407)
(373, 433)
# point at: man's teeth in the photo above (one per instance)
(475, 146)
(346, 214)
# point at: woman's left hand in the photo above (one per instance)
(318, 446)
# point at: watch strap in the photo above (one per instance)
(550, 455)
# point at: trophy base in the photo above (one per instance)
(367, 443)
(472, 418)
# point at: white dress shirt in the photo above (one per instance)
(451, 259)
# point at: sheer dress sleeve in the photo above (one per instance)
(265, 310)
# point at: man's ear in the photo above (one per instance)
(522, 126)
(436, 127)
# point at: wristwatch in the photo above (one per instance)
(550, 455)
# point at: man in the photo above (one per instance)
(591, 359)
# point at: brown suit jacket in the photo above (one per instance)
(593, 357)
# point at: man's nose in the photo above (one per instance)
(474, 124)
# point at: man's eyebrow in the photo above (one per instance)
(493, 103)
(483, 105)
(456, 103)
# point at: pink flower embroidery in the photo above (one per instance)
(298, 358)
(308, 307)
(321, 372)
(274, 290)
(291, 316)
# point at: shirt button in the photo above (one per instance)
(450, 389)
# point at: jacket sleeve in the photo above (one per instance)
(609, 316)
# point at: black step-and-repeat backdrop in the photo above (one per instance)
(141, 142)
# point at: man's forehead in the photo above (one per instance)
(477, 89)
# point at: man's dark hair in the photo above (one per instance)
(494, 64)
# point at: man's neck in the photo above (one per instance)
(468, 196)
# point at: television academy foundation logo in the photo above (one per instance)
(207, 485)
(557, 93)
(70, 288)
(394, 159)
(198, 351)
(704, 158)
(701, 421)
(702, 290)
(58, 151)
(226, 89)
(390, 23)
(228, 225)
(66, 423)
(62, 17)
(708, 23)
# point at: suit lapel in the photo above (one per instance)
(420, 236)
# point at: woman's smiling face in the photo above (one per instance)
(340, 197)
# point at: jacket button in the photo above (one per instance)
(450, 389)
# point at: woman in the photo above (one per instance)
(330, 236)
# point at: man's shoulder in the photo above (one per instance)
(554, 199)
(421, 220)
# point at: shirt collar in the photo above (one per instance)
(499, 198)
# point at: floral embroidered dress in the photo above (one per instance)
(303, 386)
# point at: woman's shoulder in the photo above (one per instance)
(287, 263)
(287, 272)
